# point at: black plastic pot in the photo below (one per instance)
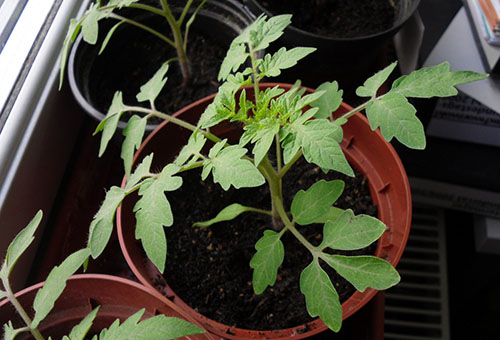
(347, 60)
(133, 55)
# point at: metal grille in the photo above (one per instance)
(417, 308)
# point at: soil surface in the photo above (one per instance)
(209, 268)
(337, 18)
(136, 59)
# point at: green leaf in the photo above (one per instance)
(108, 37)
(349, 232)
(191, 150)
(320, 145)
(330, 101)
(269, 31)
(9, 333)
(332, 215)
(133, 132)
(102, 225)
(434, 81)
(108, 125)
(364, 271)
(121, 3)
(396, 118)
(310, 205)
(372, 84)
(153, 212)
(272, 65)
(20, 243)
(153, 86)
(266, 261)
(321, 297)
(228, 213)
(235, 57)
(159, 327)
(263, 140)
(55, 284)
(140, 172)
(74, 28)
(80, 331)
(228, 168)
(90, 25)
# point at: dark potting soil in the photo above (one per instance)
(337, 18)
(135, 60)
(209, 268)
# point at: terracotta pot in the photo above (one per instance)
(366, 150)
(222, 21)
(348, 60)
(118, 298)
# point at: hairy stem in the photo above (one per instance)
(254, 71)
(275, 189)
(10, 295)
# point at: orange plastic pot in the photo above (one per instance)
(118, 298)
(366, 150)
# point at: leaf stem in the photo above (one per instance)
(279, 159)
(144, 27)
(288, 165)
(12, 298)
(184, 12)
(254, 71)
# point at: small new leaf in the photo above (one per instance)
(102, 225)
(263, 140)
(330, 101)
(108, 125)
(90, 25)
(396, 118)
(364, 271)
(321, 297)
(228, 213)
(272, 65)
(310, 205)
(20, 243)
(235, 57)
(80, 331)
(133, 132)
(349, 232)
(189, 153)
(55, 284)
(228, 168)
(140, 172)
(9, 333)
(372, 84)
(264, 31)
(153, 87)
(267, 260)
(434, 81)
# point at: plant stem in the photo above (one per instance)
(184, 12)
(279, 160)
(288, 165)
(144, 27)
(254, 71)
(10, 295)
(179, 43)
(275, 190)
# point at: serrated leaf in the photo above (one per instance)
(153, 212)
(315, 202)
(90, 25)
(80, 331)
(133, 132)
(74, 28)
(141, 171)
(191, 150)
(20, 243)
(272, 65)
(269, 31)
(266, 261)
(152, 88)
(159, 327)
(290, 145)
(321, 297)
(235, 57)
(349, 232)
(102, 225)
(434, 81)
(228, 168)
(364, 271)
(319, 142)
(9, 333)
(109, 124)
(55, 284)
(108, 37)
(395, 117)
(263, 140)
(228, 213)
(372, 84)
(330, 101)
